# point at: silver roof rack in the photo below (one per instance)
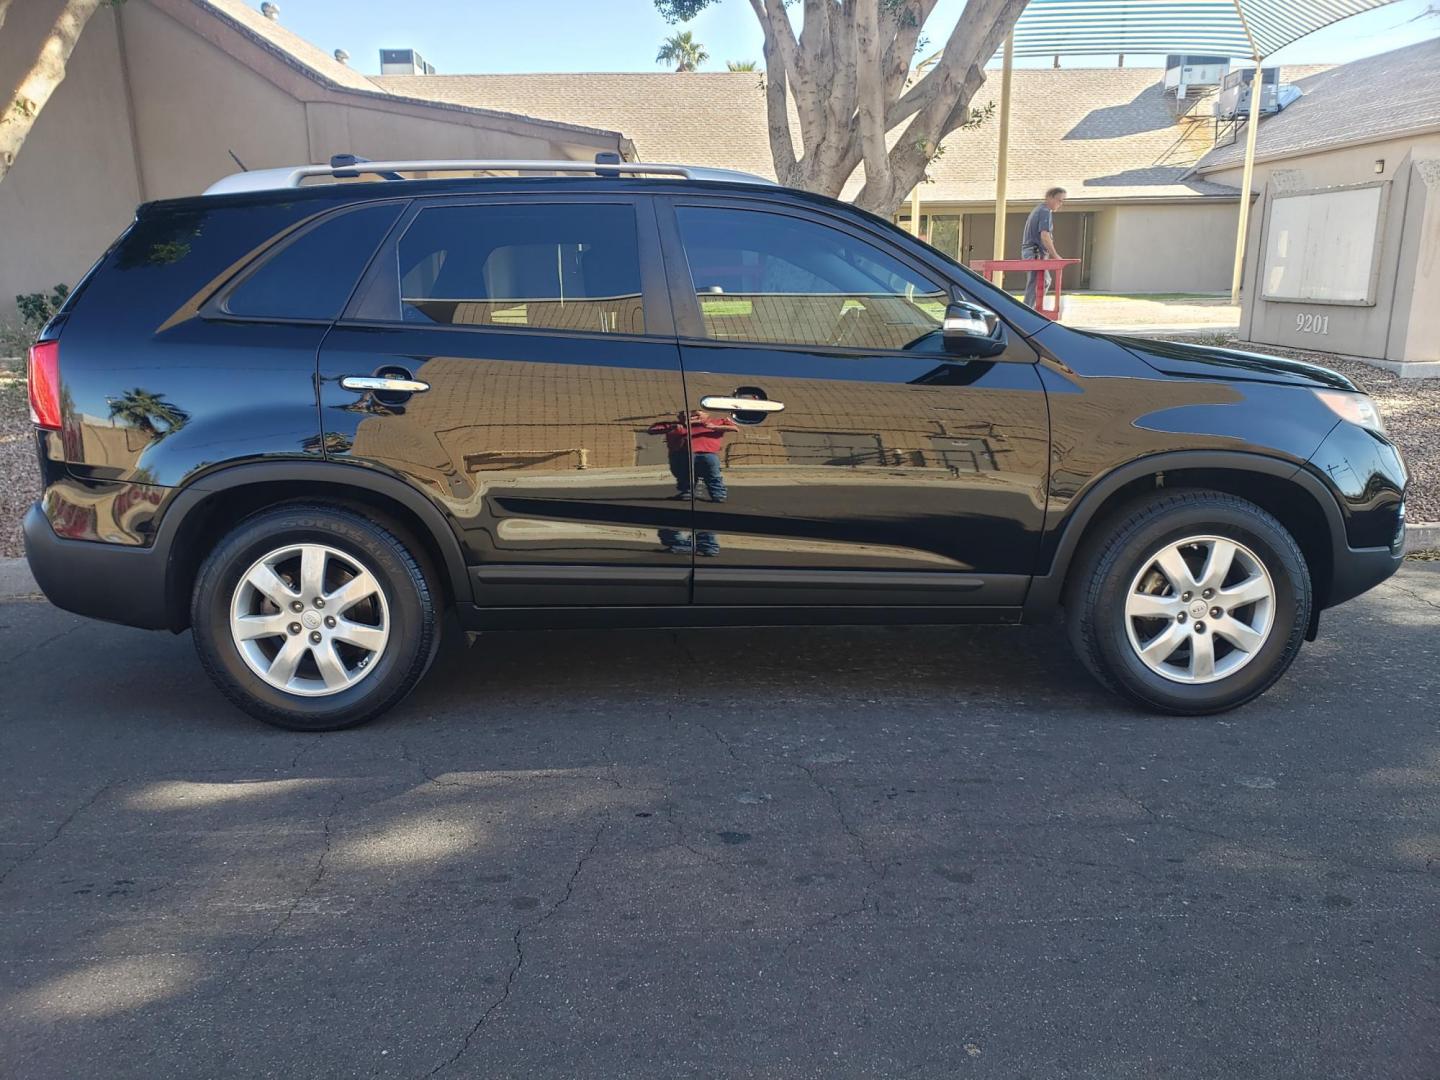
(294, 176)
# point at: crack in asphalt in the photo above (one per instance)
(315, 879)
(878, 872)
(1390, 584)
(38, 848)
(305, 749)
(41, 644)
(519, 963)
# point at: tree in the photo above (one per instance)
(20, 108)
(682, 50)
(149, 412)
(742, 65)
(848, 73)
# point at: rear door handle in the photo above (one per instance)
(389, 384)
(738, 404)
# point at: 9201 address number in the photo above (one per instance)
(1312, 324)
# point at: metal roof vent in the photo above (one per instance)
(270, 11)
(342, 56)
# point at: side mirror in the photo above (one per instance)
(973, 331)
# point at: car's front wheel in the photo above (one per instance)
(313, 618)
(1196, 602)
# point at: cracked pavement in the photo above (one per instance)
(915, 852)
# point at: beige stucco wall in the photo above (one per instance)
(1179, 247)
(1348, 165)
(1402, 326)
(199, 90)
(73, 185)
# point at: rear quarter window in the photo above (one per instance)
(178, 255)
(312, 275)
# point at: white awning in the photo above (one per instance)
(1234, 28)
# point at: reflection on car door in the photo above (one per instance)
(865, 465)
(542, 337)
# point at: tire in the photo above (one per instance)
(321, 667)
(1122, 605)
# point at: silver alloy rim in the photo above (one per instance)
(309, 620)
(1200, 609)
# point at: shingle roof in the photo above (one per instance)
(289, 44)
(322, 67)
(1103, 133)
(1380, 97)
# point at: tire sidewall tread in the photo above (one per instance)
(413, 616)
(1095, 600)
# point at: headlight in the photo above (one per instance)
(1357, 408)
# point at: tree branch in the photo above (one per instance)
(23, 105)
(777, 112)
(870, 93)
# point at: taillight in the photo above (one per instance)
(45, 385)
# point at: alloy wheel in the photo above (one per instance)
(1200, 609)
(309, 619)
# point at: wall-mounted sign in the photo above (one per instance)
(1324, 246)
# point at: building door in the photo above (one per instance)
(851, 459)
(541, 340)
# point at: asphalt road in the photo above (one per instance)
(863, 853)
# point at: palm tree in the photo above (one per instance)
(742, 65)
(682, 50)
(149, 412)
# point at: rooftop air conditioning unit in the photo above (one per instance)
(404, 62)
(1182, 72)
(1233, 101)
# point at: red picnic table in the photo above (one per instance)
(990, 267)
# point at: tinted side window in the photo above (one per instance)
(311, 276)
(552, 267)
(777, 279)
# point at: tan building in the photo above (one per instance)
(162, 97)
(1345, 253)
(1112, 136)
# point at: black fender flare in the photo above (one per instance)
(1065, 537)
(321, 474)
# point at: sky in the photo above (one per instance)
(472, 36)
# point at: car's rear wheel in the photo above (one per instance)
(1195, 602)
(314, 618)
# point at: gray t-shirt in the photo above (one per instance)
(1040, 220)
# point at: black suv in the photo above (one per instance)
(306, 420)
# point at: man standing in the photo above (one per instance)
(1038, 240)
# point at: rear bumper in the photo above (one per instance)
(114, 582)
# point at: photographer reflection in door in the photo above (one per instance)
(695, 439)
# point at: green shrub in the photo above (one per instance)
(35, 309)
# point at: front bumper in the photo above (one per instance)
(114, 582)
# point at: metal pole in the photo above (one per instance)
(1002, 165)
(1257, 86)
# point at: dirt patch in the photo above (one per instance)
(1411, 408)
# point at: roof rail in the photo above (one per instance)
(347, 165)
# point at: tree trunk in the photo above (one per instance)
(847, 75)
(22, 106)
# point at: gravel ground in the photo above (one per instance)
(1411, 408)
(19, 477)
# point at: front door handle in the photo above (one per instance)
(737, 404)
(388, 384)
